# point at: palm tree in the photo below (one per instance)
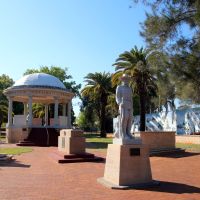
(38, 110)
(135, 63)
(98, 88)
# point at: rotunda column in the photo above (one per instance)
(46, 115)
(30, 115)
(64, 109)
(10, 108)
(25, 109)
(69, 107)
(56, 112)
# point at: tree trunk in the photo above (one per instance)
(103, 117)
(142, 111)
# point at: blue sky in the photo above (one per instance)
(83, 35)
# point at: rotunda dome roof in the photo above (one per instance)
(39, 80)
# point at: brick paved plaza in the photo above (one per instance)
(36, 176)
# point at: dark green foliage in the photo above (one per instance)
(165, 21)
(97, 91)
(173, 28)
(136, 104)
(88, 119)
(73, 117)
(5, 82)
(18, 108)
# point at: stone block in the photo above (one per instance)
(71, 141)
(71, 133)
(122, 141)
(14, 134)
(127, 165)
(158, 140)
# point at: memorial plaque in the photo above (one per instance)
(63, 142)
(135, 152)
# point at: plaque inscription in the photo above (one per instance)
(135, 152)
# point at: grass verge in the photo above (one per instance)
(189, 147)
(15, 150)
(94, 141)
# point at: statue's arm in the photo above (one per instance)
(118, 95)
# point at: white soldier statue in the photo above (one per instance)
(124, 100)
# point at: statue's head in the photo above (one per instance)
(125, 79)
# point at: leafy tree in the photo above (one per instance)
(5, 82)
(3, 113)
(89, 113)
(165, 22)
(38, 110)
(185, 68)
(135, 63)
(73, 117)
(97, 89)
(165, 81)
(173, 27)
(84, 122)
(165, 93)
(136, 104)
(112, 107)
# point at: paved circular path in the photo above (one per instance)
(36, 176)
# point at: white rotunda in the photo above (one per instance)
(37, 88)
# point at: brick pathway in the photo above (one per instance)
(36, 176)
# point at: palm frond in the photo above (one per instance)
(115, 78)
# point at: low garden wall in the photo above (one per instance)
(188, 139)
(158, 140)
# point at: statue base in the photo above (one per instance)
(110, 185)
(127, 166)
(71, 148)
(71, 141)
(123, 141)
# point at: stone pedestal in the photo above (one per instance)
(71, 141)
(125, 141)
(71, 148)
(127, 165)
(15, 134)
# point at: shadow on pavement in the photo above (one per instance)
(178, 155)
(13, 163)
(176, 188)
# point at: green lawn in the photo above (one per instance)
(15, 150)
(93, 141)
(189, 147)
